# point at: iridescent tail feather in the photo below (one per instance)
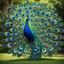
(43, 23)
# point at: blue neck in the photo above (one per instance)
(27, 31)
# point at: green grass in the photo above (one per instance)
(5, 56)
(9, 59)
(33, 62)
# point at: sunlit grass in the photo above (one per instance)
(5, 56)
(44, 61)
(10, 57)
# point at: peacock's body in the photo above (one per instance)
(27, 31)
(32, 27)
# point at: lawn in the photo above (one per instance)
(9, 59)
(33, 62)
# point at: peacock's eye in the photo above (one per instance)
(23, 15)
(42, 19)
(21, 5)
(49, 19)
(43, 13)
(20, 10)
(34, 10)
(4, 20)
(2, 26)
(11, 24)
(7, 34)
(12, 11)
(27, 11)
(10, 45)
(13, 18)
(4, 45)
(38, 13)
(49, 35)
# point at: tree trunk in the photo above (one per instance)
(4, 7)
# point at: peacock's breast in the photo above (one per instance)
(28, 33)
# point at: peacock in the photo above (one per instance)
(31, 28)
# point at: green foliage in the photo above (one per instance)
(18, 1)
(55, 1)
(4, 1)
(1, 15)
(26, 61)
(37, 0)
(59, 5)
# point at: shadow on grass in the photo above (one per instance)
(27, 61)
(31, 60)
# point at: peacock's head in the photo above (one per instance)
(27, 19)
